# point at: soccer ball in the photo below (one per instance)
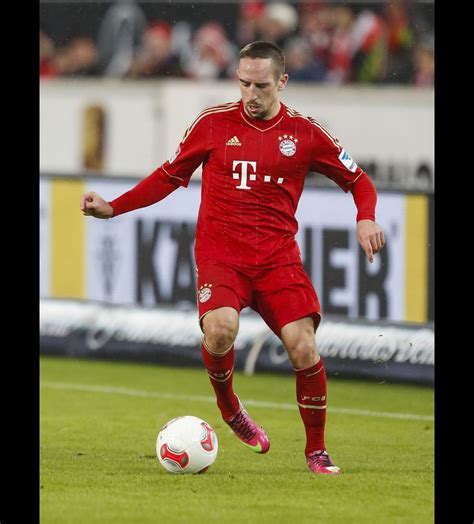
(186, 445)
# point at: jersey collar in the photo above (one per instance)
(262, 125)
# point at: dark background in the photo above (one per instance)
(63, 20)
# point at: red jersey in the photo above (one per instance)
(253, 176)
(252, 179)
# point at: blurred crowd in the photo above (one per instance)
(322, 41)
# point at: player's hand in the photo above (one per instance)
(94, 205)
(371, 237)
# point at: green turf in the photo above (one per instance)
(98, 462)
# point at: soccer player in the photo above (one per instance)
(255, 154)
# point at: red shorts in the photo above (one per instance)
(280, 295)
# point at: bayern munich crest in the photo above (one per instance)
(205, 293)
(288, 145)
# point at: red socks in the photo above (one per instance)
(220, 368)
(311, 398)
(310, 393)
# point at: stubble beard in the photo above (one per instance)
(258, 116)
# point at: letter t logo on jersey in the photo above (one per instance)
(244, 173)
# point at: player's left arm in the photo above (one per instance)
(332, 160)
(369, 234)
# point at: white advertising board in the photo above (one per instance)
(387, 129)
(146, 256)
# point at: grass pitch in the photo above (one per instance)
(99, 422)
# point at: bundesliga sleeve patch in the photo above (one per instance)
(346, 159)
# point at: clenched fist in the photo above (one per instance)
(94, 205)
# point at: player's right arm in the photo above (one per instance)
(92, 204)
(192, 151)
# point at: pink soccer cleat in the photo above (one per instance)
(247, 431)
(320, 462)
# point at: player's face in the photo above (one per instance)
(259, 87)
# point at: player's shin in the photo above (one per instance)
(311, 398)
(220, 368)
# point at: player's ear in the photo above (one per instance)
(282, 82)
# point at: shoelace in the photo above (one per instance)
(242, 425)
(321, 458)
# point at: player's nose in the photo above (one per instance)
(253, 92)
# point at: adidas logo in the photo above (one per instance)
(234, 141)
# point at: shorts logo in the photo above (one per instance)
(346, 159)
(205, 293)
(288, 145)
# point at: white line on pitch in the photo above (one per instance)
(200, 398)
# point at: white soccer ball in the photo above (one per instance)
(186, 445)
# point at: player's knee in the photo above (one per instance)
(220, 334)
(303, 354)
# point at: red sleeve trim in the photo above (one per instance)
(172, 176)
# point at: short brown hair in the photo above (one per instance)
(260, 49)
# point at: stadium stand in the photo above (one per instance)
(326, 42)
